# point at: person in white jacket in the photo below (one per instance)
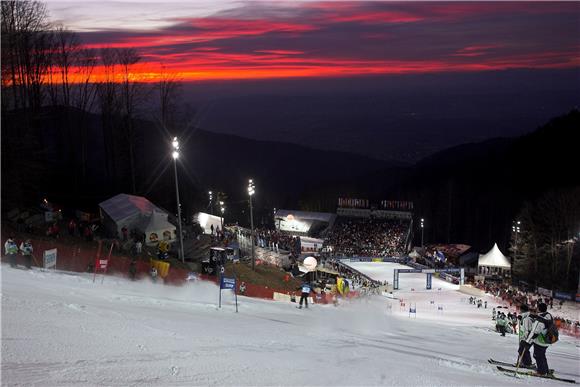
(524, 358)
(537, 337)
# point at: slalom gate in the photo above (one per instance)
(429, 273)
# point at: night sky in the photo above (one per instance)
(208, 40)
(390, 80)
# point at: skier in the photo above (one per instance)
(537, 337)
(11, 249)
(493, 314)
(524, 358)
(306, 289)
(485, 305)
(26, 249)
(478, 303)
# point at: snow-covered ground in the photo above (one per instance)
(63, 329)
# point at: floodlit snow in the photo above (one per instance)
(63, 329)
(383, 271)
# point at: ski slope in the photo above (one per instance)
(62, 329)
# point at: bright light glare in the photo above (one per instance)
(175, 155)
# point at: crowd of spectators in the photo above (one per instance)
(515, 296)
(274, 240)
(367, 237)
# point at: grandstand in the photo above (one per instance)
(364, 230)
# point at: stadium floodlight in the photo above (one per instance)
(422, 232)
(175, 155)
(251, 192)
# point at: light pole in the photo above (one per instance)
(211, 202)
(422, 231)
(175, 156)
(251, 192)
(223, 209)
(516, 231)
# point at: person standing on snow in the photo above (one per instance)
(501, 323)
(524, 358)
(27, 250)
(306, 289)
(11, 249)
(537, 338)
(133, 269)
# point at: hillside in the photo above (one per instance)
(45, 153)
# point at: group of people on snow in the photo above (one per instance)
(536, 331)
(11, 250)
(478, 302)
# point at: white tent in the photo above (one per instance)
(494, 262)
(207, 220)
(156, 228)
(128, 211)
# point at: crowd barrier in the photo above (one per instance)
(76, 258)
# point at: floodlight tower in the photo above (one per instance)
(175, 156)
(251, 192)
(422, 231)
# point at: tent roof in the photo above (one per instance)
(122, 206)
(157, 221)
(305, 215)
(494, 258)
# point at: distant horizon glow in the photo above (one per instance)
(225, 40)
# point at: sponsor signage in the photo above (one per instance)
(563, 296)
(544, 292)
(50, 259)
(228, 283)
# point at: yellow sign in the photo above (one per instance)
(161, 266)
(342, 286)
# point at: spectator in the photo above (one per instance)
(138, 247)
(133, 269)
(72, 226)
(27, 250)
(11, 249)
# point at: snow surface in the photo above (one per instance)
(62, 329)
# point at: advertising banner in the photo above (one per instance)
(544, 292)
(228, 283)
(50, 259)
(563, 296)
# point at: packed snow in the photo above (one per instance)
(62, 329)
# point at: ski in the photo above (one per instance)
(529, 373)
(506, 364)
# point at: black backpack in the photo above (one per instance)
(552, 334)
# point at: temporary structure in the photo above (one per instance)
(157, 228)
(132, 212)
(494, 262)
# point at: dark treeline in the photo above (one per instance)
(47, 73)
